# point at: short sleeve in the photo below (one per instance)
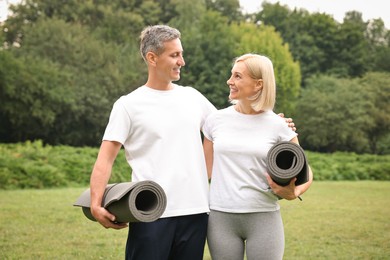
(285, 132)
(119, 124)
(208, 126)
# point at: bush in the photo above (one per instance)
(349, 166)
(35, 165)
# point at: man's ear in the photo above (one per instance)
(151, 58)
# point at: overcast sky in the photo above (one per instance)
(370, 9)
(4, 8)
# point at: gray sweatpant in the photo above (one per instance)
(260, 234)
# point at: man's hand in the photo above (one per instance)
(289, 122)
(106, 219)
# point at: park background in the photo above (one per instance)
(64, 63)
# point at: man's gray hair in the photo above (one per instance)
(153, 38)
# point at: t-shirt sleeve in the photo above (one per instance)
(208, 126)
(285, 133)
(118, 127)
(206, 106)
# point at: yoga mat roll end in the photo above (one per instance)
(285, 161)
(143, 201)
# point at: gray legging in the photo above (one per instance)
(262, 234)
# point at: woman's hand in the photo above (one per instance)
(289, 192)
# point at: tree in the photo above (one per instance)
(70, 80)
(168, 12)
(208, 53)
(376, 87)
(323, 30)
(333, 115)
(311, 37)
(33, 94)
(324, 46)
(228, 8)
(274, 14)
(352, 44)
(63, 64)
(191, 13)
(379, 45)
(262, 39)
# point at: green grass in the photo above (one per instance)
(339, 220)
(335, 220)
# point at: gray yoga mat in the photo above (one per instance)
(143, 201)
(286, 160)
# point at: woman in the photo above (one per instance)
(244, 205)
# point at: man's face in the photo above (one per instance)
(170, 61)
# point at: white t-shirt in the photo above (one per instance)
(160, 132)
(241, 143)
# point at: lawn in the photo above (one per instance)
(335, 220)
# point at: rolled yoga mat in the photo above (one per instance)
(143, 201)
(285, 161)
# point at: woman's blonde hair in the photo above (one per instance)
(260, 67)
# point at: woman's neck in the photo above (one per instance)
(246, 109)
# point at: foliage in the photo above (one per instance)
(377, 88)
(64, 63)
(349, 166)
(191, 12)
(228, 8)
(345, 114)
(35, 165)
(379, 42)
(322, 45)
(68, 81)
(220, 44)
(209, 42)
(30, 98)
(264, 40)
(353, 44)
(333, 121)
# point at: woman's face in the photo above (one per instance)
(241, 84)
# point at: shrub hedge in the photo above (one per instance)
(35, 165)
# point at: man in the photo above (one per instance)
(159, 126)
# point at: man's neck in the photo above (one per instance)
(159, 85)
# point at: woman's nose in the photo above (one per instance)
(229, 81)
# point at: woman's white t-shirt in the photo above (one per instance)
(241, 143)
